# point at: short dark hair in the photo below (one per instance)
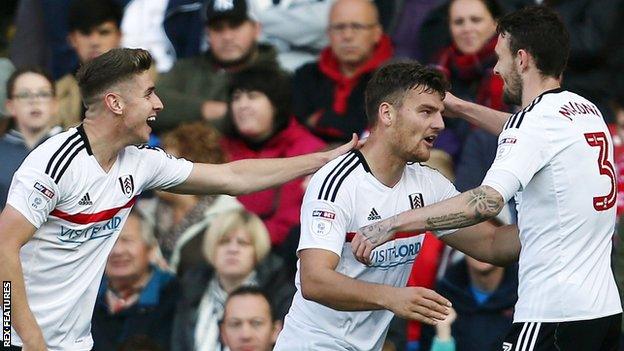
(84, 15)
(272, 82)
(111, 68)
(392, 81)
(540, 31)
(10, 84)
(254, 291)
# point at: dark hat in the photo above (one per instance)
(233, 10)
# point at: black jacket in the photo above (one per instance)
(477, 327)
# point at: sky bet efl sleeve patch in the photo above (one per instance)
(321, 222)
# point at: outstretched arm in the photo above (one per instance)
(468, 208)
(246, 176)
(484, 117)
(321, 283)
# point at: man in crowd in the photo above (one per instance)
(328, 95)
(196, 88)
(249, 321)
(94, 28)
(135, 297)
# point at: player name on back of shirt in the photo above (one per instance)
(572, 109)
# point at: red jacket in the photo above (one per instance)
(278, 207)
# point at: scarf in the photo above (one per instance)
(210, 313)
(329, 66)
(478, 67)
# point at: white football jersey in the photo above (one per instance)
(560, 151)
(79, 210)
(342, 197)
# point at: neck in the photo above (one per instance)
(125, 287)
(32, 136)
(535, 84)
(348, 70)
(182, 205)
(385, 165)
(105, 140)
(230, 284)
(487, 281)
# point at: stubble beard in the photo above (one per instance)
(512, 90)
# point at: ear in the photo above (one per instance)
(522, 59)
(71, 39)
(378, 32)
(386, 114)
(10, 107)
(277, 328)
(114, 103)
(223, 335)
(257, 30)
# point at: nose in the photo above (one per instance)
(438, 121)
(158, 105)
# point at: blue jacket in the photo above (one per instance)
(151, 316)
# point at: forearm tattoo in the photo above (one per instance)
(481, 205)
(379, 232)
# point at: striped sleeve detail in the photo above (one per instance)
(62, 157)
(516, 119)
(335, 178)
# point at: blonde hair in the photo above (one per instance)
(228, 222)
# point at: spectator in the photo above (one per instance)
(236, 247)
(31, 104)
(263, 127)
(483, 296)
(469, 61)
(295, 28)
(249, 321)
(182, 219)
(196, 88)
(135, 297)
(617, 135)
(93, 30)
(328, 95)
(168, 29)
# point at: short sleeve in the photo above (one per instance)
(323, 226)
(34, 194)
(164, 170)
(444, 190)
(521, 152)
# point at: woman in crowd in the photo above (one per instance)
(262, 126)
(469, 61)
(237, 251)
(31, 104)
(183, 218)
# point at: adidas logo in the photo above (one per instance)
(373, 215)
(86, 200)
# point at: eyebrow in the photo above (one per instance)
(429, 106)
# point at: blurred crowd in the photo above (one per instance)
(278, 78)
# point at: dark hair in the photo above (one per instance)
(84, 15)
(110, 68)
(10, 84)
(392, 81)
(270, 81)
(539, 31)
(493, 7)
(254, 291)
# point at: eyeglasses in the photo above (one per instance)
(354, 26)
(29, 95)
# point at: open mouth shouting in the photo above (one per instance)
(430, 139)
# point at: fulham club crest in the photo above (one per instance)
(416, 200)
(127, 185)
